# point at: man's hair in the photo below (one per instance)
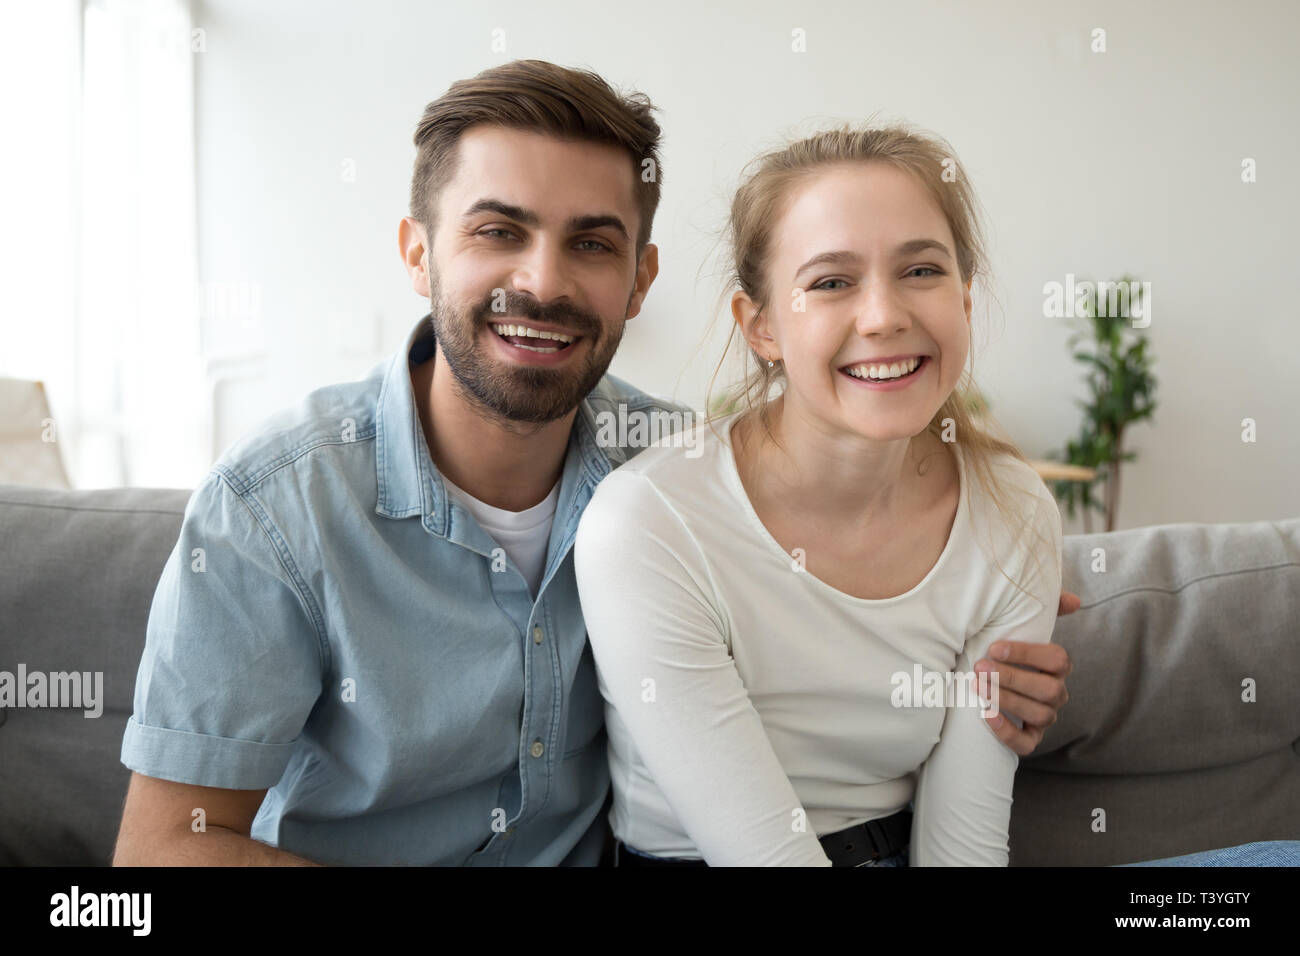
(540, 97)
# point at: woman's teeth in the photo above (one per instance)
(883, 373)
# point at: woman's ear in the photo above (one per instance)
(753, 325)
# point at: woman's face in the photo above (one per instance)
(862, 272)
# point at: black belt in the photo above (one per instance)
(870, 841)
(864, 843)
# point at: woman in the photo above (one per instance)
(761, 610)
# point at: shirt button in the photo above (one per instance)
(537, 748)
(537, 635)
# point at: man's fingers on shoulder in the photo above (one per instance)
(1013, 737)
(1069, 603)
(1044, 657)
(1033, 736)
(1031, 712)
(1049, 658)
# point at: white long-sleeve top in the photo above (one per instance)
(750, 706)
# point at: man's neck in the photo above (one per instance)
(508, 466)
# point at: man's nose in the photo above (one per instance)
(543, 272)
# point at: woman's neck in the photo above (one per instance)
(827, 474)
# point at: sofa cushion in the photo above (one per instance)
(1155, 734)
(1159, 732)
(77, 575)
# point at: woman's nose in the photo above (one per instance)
(880, 312)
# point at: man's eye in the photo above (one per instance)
(494, 233)
(600, 246)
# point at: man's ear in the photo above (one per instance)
(412, 244)
(646, 270)
(754, 325)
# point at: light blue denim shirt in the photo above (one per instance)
(330, 626)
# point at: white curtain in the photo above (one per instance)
(101, 238)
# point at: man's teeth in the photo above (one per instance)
(504, 330)
(881, 373)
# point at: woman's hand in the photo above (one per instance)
(1031, 685)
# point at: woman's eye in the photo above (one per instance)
(926, 269)
(826, 284)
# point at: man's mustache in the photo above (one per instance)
(579, 321)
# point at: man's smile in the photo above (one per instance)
(531, 346)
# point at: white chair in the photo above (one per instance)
(29, 447)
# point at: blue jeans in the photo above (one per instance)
(1267, 853)
(898, 859)
(901, 858)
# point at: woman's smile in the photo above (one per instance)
(882, 377)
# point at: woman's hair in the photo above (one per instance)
(540, 97)
(767, 188)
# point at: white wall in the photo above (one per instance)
(1087, 163)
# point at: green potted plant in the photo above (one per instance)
(1122, 386)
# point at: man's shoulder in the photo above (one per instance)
(627, 420)
(611, 391)
(338, 419)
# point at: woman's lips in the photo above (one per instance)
(891, 384)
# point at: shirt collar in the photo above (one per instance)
(409, 483)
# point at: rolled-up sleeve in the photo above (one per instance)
(232, 664)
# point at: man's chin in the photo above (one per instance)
(526, 395)
(547, 407)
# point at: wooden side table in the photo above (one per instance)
(1058, 471)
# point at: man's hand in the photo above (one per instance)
(1031, 685)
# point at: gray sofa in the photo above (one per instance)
(1155, 755)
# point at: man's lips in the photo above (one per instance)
(536, 326)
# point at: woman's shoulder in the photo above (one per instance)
(1011, 481)
(1013, 509)
(688, 459)
(679, 482)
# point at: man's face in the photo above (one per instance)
(537, 232)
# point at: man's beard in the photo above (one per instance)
(520, 393)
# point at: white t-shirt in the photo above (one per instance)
(523, 534)
(744, 697)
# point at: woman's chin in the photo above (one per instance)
(893, 428)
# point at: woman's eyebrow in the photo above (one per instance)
(842, 256)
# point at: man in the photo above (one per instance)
(367, 645)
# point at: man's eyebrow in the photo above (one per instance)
(598, 221)
(530, 218)
(842, 256)
(510, 211)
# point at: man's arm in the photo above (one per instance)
(230, 672)
(158, 820)
(1031, 685)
